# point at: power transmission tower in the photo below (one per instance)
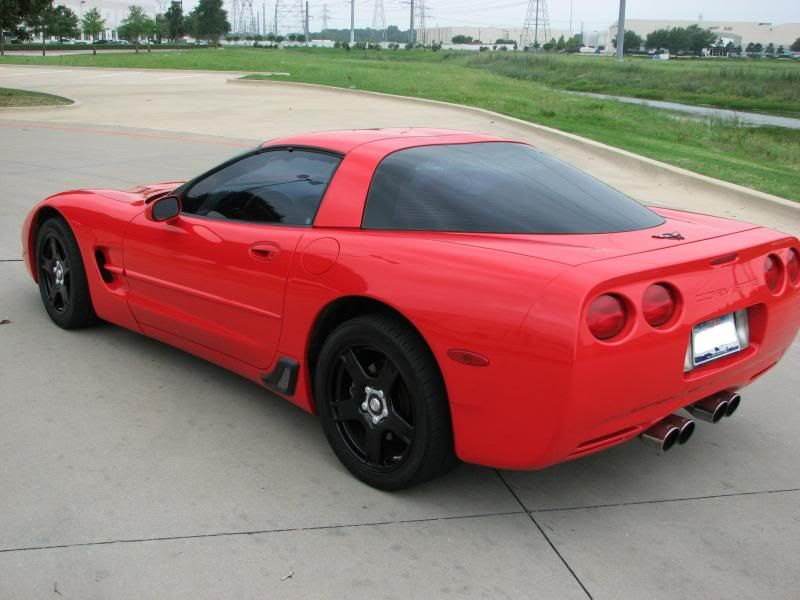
(379, 19)
(537, 24)
(325, 15)
(302, 17)
(422, 17)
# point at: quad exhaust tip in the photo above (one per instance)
(662, 436)
(713, 408)
(685, 427)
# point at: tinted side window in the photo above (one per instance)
(495, 187)
(275, 186)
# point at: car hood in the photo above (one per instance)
(141, 193)
(577, 249)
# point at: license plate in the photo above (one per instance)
(714, 339)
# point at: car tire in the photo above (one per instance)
(62, 277)
(382, 403)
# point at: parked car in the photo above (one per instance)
(432, 294)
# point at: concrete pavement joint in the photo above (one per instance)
(263, 531)
(546, 537)
(689, 499)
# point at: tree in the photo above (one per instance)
(758, 48)
(176, 28)
(795, 47)
(134, 26)
(93, 25)
(62, 23)
(462, 39)
(10, 19)
(632, 41)
(679, 39)
(211, 20)
(770, 50)
(561, 44)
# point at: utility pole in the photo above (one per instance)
(411, 36)
(306, 32)
(352, 22)
(276, 18)
(536, 28)
(621, 31)
(264, 18)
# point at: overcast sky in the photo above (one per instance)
(596, 14)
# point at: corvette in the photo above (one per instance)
(432, 295)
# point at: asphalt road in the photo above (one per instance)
(133, 470)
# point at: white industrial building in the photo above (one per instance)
(112, 11)
(739, 32)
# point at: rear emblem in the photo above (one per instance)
(670, 236)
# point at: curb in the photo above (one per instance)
(754, 197)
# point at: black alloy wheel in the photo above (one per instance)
(62, 277)
(382, 403)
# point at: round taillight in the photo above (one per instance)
(658, 304)
(772, 272)
(607, 316)
(793, 266)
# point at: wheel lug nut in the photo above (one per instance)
(374, 420)
(368, 389)
(363, 406)
(385, 413)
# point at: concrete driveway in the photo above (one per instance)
(133, 470)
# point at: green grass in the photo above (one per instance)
(753, 85)
(766, 159)
(11, 98)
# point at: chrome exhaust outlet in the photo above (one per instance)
(711, 409)
(684, 425)
(733, 403)
(662, 436)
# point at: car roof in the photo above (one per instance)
(346, 140)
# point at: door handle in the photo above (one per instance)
(265, 251)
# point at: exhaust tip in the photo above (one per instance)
(686, 427)
(720, 411)
(733, 404)
(686, 432)
(672, 437)
(662, 436)
(711, 409)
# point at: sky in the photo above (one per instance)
(595, 14)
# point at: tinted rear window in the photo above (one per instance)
(495, 187)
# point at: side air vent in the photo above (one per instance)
(100, 257)
(283, 378)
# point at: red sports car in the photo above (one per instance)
(432, 294)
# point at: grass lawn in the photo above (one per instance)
(9, 97)
(766, 159)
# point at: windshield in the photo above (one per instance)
(495, 187)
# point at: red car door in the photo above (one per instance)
(216, 275)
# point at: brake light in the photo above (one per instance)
(793, 266)
(658, 304)
(772, 272)
(607, 316)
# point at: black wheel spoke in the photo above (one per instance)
(62, 294)
(400, 427)
(354, 368)
(346, 410)
(47, 265)
(54, 249)
(388, 376)
(374, 445)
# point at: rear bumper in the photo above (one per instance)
(564, 395)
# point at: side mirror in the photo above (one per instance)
(164, 209)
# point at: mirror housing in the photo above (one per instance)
(164, 209)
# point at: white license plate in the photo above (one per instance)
(714, 339)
